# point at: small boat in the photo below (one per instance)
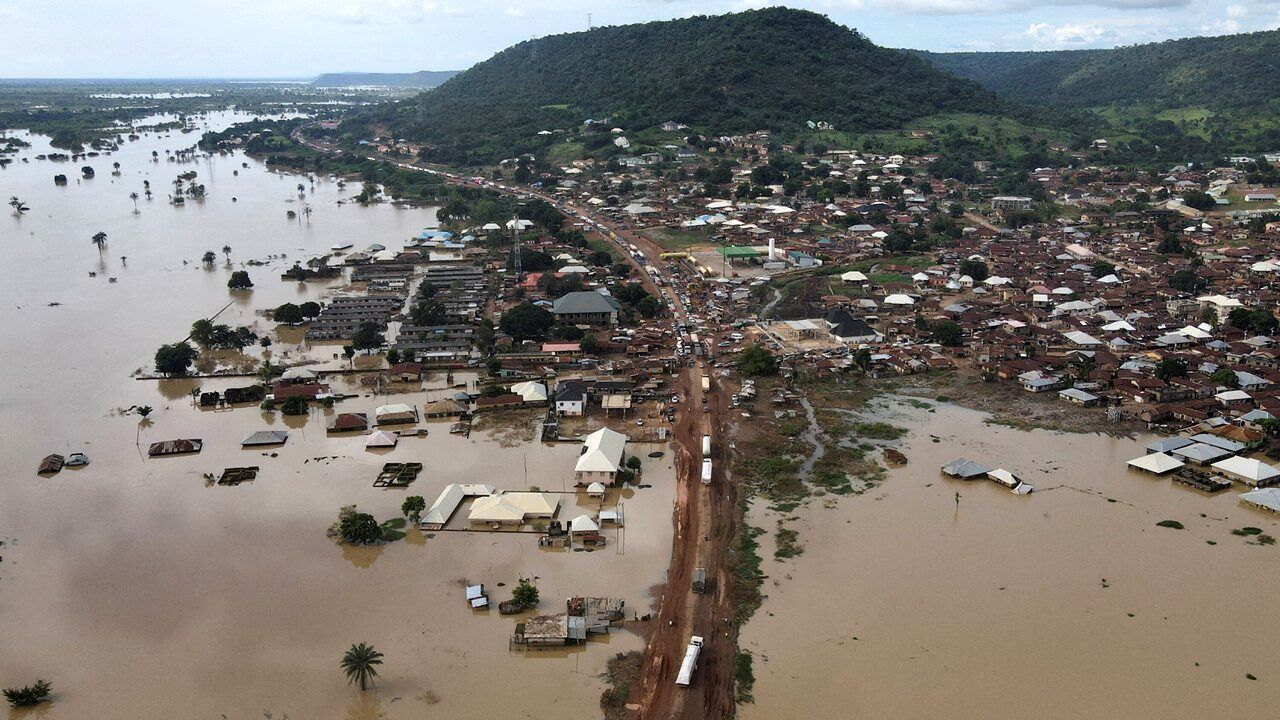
(77, 460)
(51, 464)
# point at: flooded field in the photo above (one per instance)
(908, 602)
(140, 591)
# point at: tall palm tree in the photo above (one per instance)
(358, 664)
(99, 239)
(134, 197)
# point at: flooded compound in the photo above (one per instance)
(1068, 602)
(138, 572)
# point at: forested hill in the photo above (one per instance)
(764, 69)
(421, 79)
(1226, 72)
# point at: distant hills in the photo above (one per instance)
(774, 68)
(424, 79)
(1226, 72)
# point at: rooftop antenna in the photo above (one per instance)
(589, 26)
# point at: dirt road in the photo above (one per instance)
(705, 516)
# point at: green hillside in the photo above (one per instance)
(1227, 72)
(769, 69)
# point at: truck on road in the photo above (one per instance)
(706, 378)
(706, 445)
(690, 661)
(706, 471)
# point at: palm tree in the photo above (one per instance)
(134, 197)
(306, 210)
(226, 250)
(99, 239)
(358, 665)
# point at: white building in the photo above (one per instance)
(602, 456)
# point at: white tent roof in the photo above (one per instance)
(393, 409)
(583, 523)
(595, 488)
(297, 373)
(899, 299)
(1158, 463)
(853, 276)
(602, 451)
(531, 391)
(381, 439)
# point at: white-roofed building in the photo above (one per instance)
(1268, 499)
(602, 454)
(513, 508)
(1156, 463)
(1249, 471)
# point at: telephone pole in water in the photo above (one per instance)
(515, 247)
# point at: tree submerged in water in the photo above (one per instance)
(360, 663)
(356, 528)
(29, 695)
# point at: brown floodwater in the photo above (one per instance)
(1060, 604)
(140, 591)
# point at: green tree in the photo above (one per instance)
(1171, 368)
(1187, 281)
(948, 333)
(356, 528)
(393, 356)
(29, 695)
(525, 594)
(757, 361)
(209, 257)
(975, 269)
(413, 506)
(1226, 376)
(310, 309)
(99, 239)
(1102, 268)
(360, 664)
(526, 321)
(428, 313)
(589, 344)
(1198, 200)
(368, 337)
(633, 462)
(240, 280)
(294, 405)
(175, 359)
(288, 314)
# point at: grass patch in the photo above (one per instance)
(1265, 540)
(744, 677)
(602, 245)
(621, 673)
(788, 543)
(393, 529)
(677, 239)
(746, 578)
(879, 431)
(1171, 524)
(1247, 531)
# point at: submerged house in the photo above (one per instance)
(601, 459)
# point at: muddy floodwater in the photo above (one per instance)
(1066, 603)
(141, 591)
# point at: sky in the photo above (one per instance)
(301, 38)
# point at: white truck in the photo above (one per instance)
(706, 445)
(706, 471)
(690, 661)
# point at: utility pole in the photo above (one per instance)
(515, 247)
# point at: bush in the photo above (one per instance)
(525, 594)
(1171, 524)
(28, 695)
(633, 462)
(294, 405)
(356, 528)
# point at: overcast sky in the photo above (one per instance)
(298, 38)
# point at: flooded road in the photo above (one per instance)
(139, 591)
(1066, 603)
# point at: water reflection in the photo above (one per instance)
(362, 557)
